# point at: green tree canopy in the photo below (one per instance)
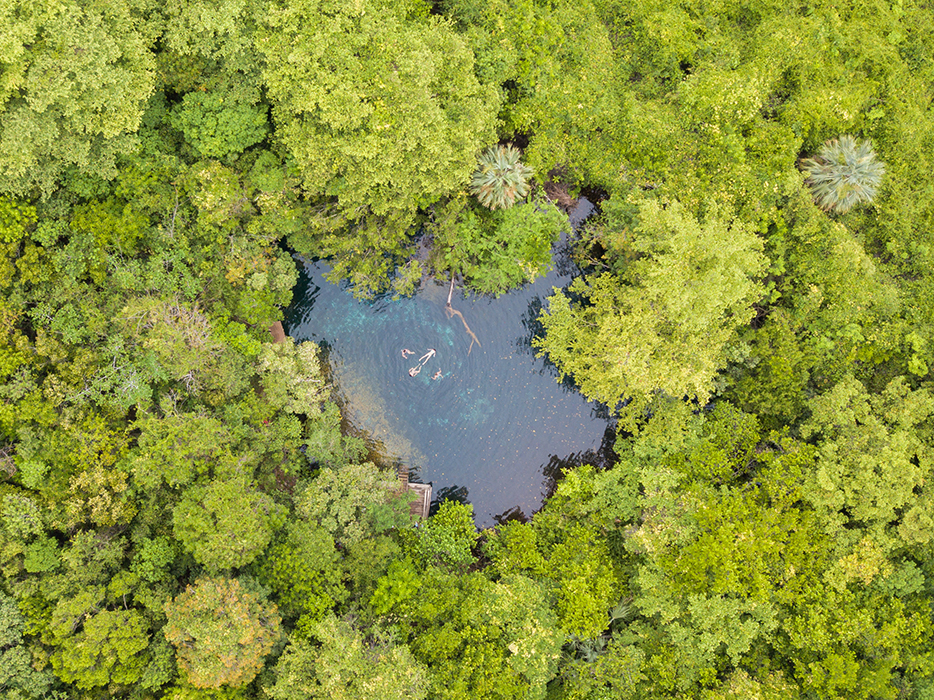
(666, 324)
(346, 663)
(76, 78)
(382, 115)
(221, 631)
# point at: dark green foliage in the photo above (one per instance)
(843, 174)
(447, 539)
(303, 569)
(226, 524)
(219, 124)
(500, 250)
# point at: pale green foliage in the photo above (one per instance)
(21, 516)
(179, 337)
(291, 376)
(177, 449)
(666, 326)
(347, 664)
(344, 501)
(221, 631)
(403, 87)
(873, 465)
(616, 673)
(843, 174)
(75, 80)
(501, 178)
(226, 523)
(703, 628)
(740, 684)
(187, 692)
(845, 644)
(12, 623)
(99, 496)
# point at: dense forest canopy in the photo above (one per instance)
(180, 514)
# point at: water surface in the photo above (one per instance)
(495, 428)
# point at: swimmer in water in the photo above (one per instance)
(406, 352)
(414, 371)
(427, 356)
(436, 375)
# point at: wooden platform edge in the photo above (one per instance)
(421, 505)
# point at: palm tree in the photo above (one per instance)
(845, 173)
(500, 178)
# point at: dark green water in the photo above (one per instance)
(495, 429)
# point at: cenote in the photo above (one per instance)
(495, 429)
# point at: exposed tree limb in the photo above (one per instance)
(451, 312)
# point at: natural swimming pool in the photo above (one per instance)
(494, 428)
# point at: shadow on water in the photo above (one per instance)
(486, 420)
(513, 515)
(603, 457)
(449, 493)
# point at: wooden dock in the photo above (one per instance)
(420, 506)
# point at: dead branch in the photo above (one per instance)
(451, 312)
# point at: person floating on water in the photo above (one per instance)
(421, 361)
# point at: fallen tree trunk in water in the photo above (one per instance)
(451, 312)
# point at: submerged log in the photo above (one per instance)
(451, 312)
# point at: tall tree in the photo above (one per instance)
(221, 631)
(382, 114)
(666, 324)
(76, 77)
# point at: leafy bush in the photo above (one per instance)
(220, 123)
(448, 538)
(498, 251)
(845, 173)
(501, 178)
